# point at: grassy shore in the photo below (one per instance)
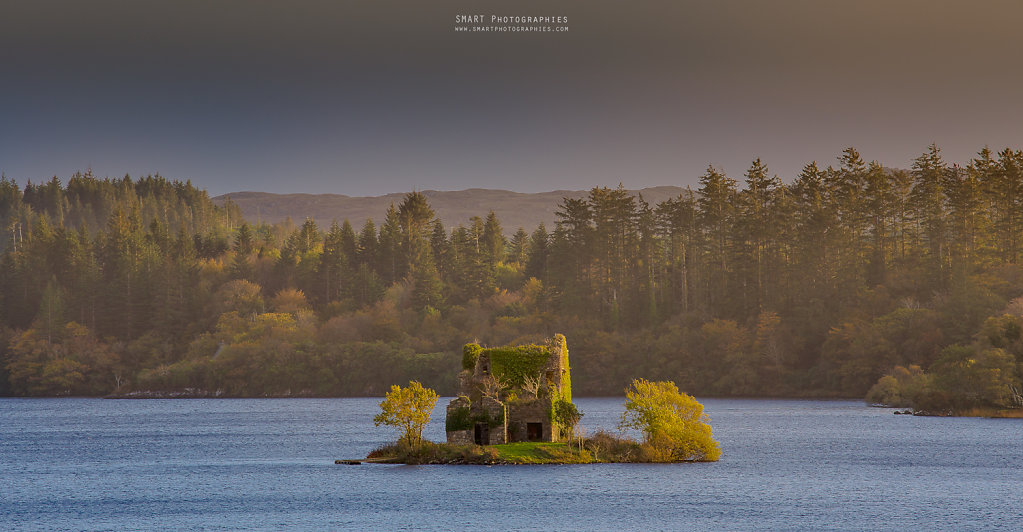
(510, 453)
(543, 453)
(602, 447)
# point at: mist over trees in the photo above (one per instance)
(815, 286)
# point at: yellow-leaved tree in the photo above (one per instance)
(409, 410)
(673, 423)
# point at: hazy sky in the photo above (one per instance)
(367, 97)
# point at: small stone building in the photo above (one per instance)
(511, 394)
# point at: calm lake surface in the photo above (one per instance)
(94, 464)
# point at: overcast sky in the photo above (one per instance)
(367, 97)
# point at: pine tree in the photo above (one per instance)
(443, 254)
(572, 252)
(1007, 191)
(332, 266)
(539, 250)
(415, 216)
(676, 226)
(963, 203)
(367, 251)
(880, 208)
(715, 219)
(757, 229)
(479, 268)
(644, 266)
(493, 241)
(848, 185)
(244, 245)
(927, 202)
(349, 242)
(905, 234)
(815, 240)
(389, 266)
(518, 247)
(427, 288)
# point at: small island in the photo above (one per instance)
(515, 407)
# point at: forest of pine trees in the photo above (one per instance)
(747, 286)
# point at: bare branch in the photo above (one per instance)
(492, 386)
(533, 385)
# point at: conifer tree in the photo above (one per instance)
(756, 230)
(493, 240)
(443, 254)
(676, 227)
(539, 250)
(244, 245)
(332, 266)
(927, 201)
(880, 208)
(367, 251)
(716, 216)
(518, 247)
(390, 267)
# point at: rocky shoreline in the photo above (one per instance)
(993, 413)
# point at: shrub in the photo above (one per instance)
(673, 423)
(901, 388)
(608, 447)
(886, 392)
(566, 414)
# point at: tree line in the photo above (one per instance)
(818, 286)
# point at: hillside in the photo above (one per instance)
(514, 209)
(846, 281)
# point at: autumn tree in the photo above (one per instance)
(408, 410)
(673, 424)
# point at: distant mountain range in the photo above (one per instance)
(513, 209)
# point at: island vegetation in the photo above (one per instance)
(824, 284)
(409, 410)
(673, 425)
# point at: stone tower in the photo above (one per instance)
(509, 394)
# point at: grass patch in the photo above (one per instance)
(601, 447)
(542, 453)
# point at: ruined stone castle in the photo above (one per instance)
(511, 394)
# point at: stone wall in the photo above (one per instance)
(460, 437)
(496, 410)
(521, 413)
(461, 434)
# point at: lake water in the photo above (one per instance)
(93, 464)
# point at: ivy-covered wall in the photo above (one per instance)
(470, 354)
(513, 365)
(559, 344)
